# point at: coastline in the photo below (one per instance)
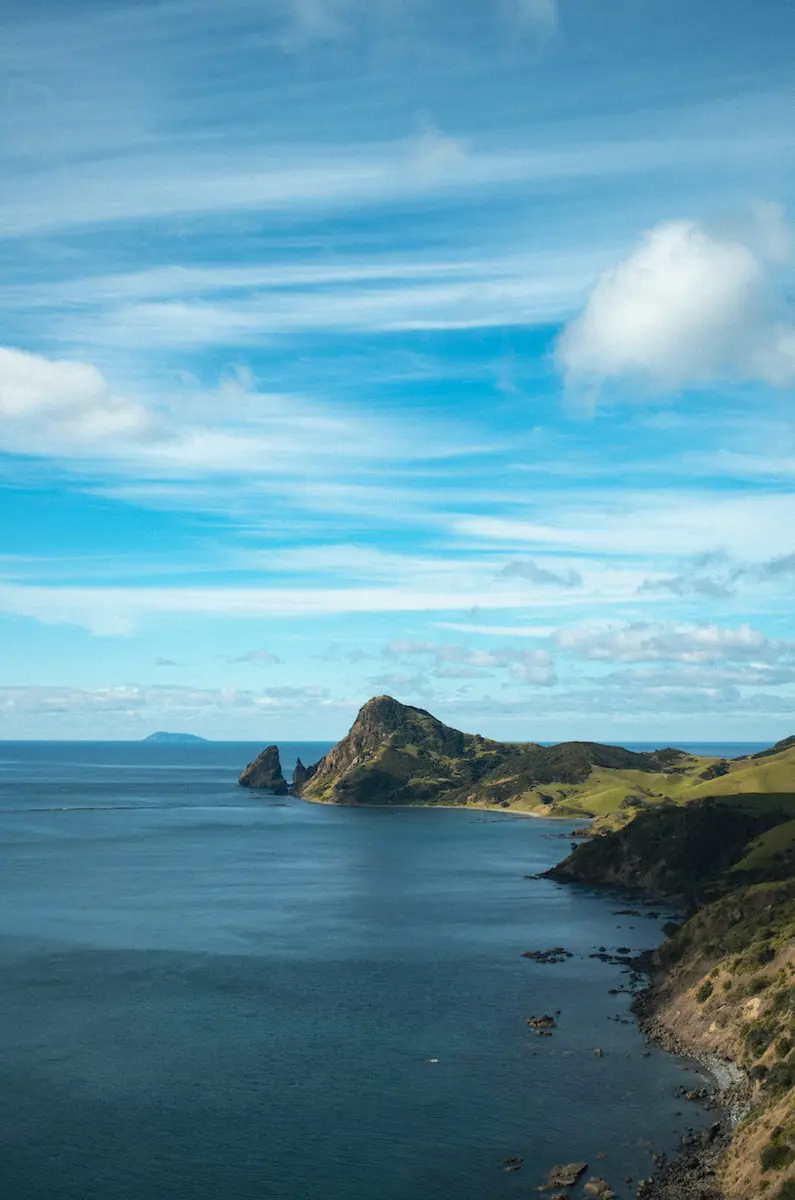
(692, 1173)
(486, 808)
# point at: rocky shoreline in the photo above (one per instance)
(692, 1174)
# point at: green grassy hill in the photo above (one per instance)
(397, 754)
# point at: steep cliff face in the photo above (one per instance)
(387, 753)
(683, 853)
(725, 984)
(265, 772)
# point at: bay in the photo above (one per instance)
(207, 992)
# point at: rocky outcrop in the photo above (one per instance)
(302, 775)
(265, 772)
(565, 1175)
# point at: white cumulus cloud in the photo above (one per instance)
(52, 402)
(687, 307)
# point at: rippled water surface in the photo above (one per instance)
(211, 993)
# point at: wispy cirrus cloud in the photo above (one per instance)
(632, 522)
(67, 409)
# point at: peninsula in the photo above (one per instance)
(397, 754)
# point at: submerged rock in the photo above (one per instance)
(265, 772)
(555, 955)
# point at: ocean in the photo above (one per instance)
(215, 994)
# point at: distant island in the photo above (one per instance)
(173, 739)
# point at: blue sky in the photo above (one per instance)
(397, 346)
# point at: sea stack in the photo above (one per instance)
(265, 772)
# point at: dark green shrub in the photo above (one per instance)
(776, 1156)
(780, 1078)
(705, 991)
(757, 1038)
(764, 954)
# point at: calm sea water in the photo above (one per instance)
(211, 993)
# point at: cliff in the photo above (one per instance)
(265, 772)
(724, 985)
(688, 853)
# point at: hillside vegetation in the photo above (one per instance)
(397, 754)
(725, 982)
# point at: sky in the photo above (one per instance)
(352, 347)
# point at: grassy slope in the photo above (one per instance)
(729, 987)
(727, 978)
(608, 794)
(396, 754)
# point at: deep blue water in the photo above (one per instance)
(208, 993)
(709, 749)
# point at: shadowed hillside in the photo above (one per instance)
(725, 980)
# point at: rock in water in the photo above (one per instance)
(265, 772)
(600, 1188)
(565, 1175)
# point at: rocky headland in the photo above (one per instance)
(397, 754)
